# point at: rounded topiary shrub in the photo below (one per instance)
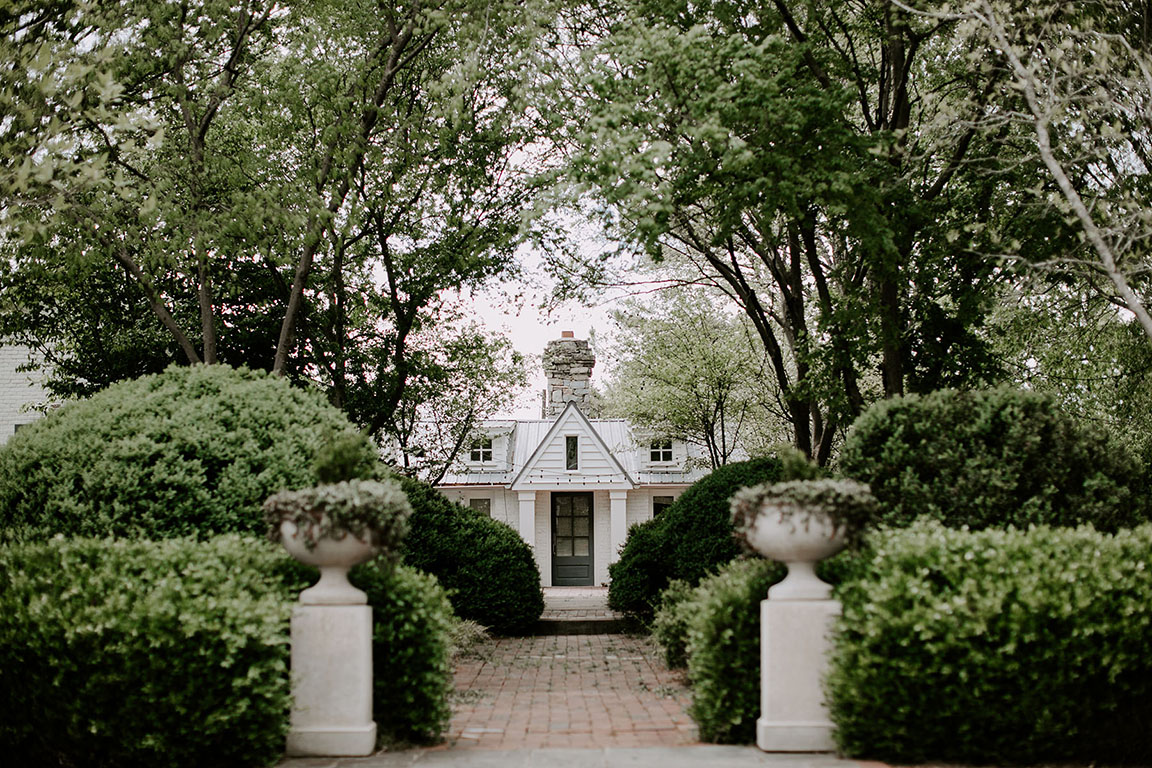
(642, 571)
(192, 451)
(411, 654)
(138, 653)
(723, 649)
(690, 540)
(488, 570)
(992, 458)
(996, 647)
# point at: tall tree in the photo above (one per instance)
(1082, 85)
(794, 154)
(685, 371)
(284, 184)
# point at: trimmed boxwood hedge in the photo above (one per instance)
(993, 458)
(192, 451)
(690, 540)
(486, 567)
(723, 650)
(117, 653)
(997, 646)
(138, 653)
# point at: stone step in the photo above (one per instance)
(587, 625)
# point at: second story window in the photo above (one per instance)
(572, 452)
(482, 449)
(660, 450)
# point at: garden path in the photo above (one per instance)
(568, 691)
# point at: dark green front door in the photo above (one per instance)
(572, 539)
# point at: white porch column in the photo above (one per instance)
(527, 526)
(618, 522)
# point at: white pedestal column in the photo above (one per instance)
(332, 681)
(793, 659)
(618, 522)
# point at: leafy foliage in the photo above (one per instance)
(996, 646)
(126, 654)
(670, 624)
(366, 509)
(993, 458)
(692, 538)
(192, 451)
(688, 372)
(849, 505)
(411, 651)
(299, 187)
(488, 570)
(723, 650)
(824, 223)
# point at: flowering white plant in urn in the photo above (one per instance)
(336, 526)
(800, 523)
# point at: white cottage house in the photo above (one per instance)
(19, 390)
(569, 484)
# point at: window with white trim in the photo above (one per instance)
(660, 450)
(661, 503)
(572, 452)
(481, 449)
(481, 505)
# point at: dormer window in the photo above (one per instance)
(481, 449)
(660, 450)
(572, 452)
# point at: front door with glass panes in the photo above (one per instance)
(572, 539)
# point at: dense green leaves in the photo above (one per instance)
(128, 654)
(993, 458)
(996, 647)
(489, 571)
(690, 540)
(189, 452)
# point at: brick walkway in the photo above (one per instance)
(568, 691)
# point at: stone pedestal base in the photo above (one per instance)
(332, 681)
(793, 658)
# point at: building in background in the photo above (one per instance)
(20, 390)
(571, 485)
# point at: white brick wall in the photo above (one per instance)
(18, 389)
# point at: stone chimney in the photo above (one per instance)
(568, 365)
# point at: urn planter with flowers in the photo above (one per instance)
(334, 527)
(801, 523)
(798, 523)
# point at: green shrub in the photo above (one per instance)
(119, 653)
(993, 458)
(670, 624)
(192, 451)
(997, 646)
(690, 540)
(411, 651)
(488, 570)
(641, 572)
(723, 650)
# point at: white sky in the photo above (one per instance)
(529, 328)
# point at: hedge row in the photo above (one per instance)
(175, 653)
(993, 458)
(487, 568)
(998, 646)
(193, 451)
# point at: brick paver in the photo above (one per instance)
(568, 691)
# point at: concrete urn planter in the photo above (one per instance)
(334, 554)
(799, 538)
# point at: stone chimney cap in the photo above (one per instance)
(567, 334)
